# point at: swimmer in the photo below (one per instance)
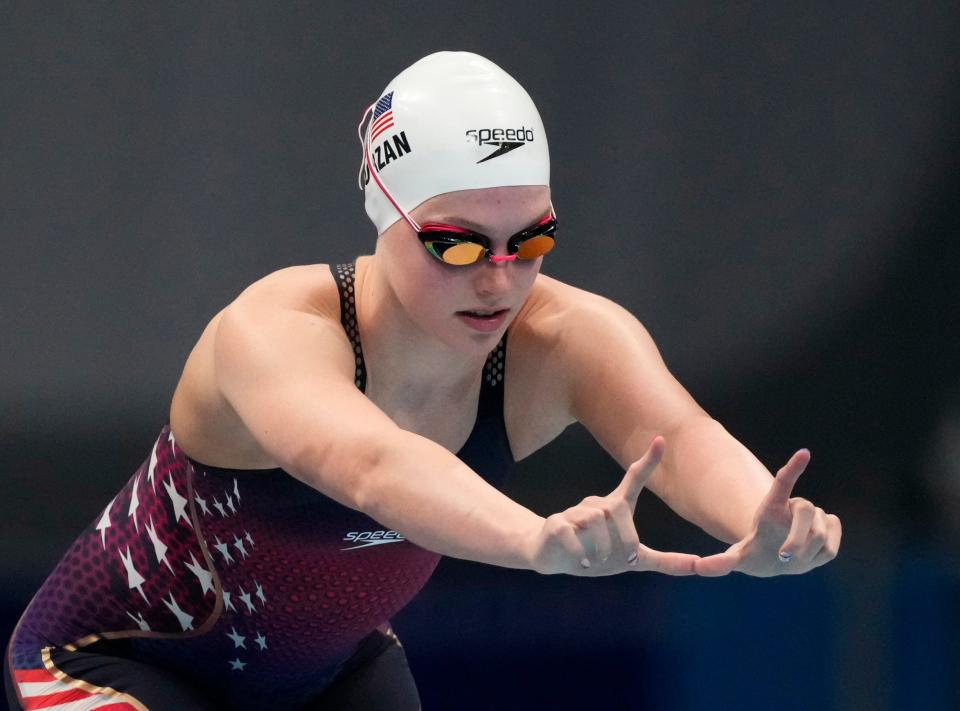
(339, 428)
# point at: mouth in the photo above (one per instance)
(483, 319)
(484, 313)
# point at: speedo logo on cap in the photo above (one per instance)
(506, 139)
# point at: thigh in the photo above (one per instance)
(102, 674)
(376, 678)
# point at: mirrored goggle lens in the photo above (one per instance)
(535, 247)
(457, 253)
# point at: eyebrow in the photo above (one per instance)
(474, 227)
(460, 222)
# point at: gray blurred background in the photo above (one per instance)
(770, 187)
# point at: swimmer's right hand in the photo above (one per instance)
(598, 537)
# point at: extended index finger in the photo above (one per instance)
(668, 563)
(787, 477)
(639, 472)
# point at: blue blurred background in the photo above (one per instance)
(771, 188)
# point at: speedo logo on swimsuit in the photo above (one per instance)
(365, 539)
(506, 139)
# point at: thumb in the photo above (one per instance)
(718, 564)
(640, 471)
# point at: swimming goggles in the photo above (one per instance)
(460, 247)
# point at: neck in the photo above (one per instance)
(401, 358)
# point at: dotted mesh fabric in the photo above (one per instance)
(346, 276)
(493, 370)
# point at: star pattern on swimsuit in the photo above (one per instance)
(152, 467)
(134, 503)
(138, 619)
(159, 547)
(158, 578)
(204, 576)
(245, 599)
(238, 544)
(105, 523)
(238, 639)
(134, 579)
(179, 503)
(185, 620)
(223, 549)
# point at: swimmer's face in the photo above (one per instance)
(436, 296)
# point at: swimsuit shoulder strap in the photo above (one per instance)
(345, 276)
(491, 387)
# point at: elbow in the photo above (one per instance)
(366, 471)
(348, 473)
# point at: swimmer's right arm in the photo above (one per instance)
(289, 375)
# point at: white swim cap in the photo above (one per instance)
(451, 121)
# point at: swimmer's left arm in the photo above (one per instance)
(620, 389)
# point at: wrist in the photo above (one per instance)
(526, 543)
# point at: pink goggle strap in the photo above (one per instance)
(363, 133)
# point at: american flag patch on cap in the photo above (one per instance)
(382, 116)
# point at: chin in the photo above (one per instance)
(474, 343)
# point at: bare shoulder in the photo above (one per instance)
(571, 353)
(288, 314)
(598, 365)
(293, 315)
(561, 317)
(309, 287)
(550, 340)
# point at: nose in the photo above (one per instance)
(494, 277)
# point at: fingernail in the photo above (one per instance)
(632, 559)
(585, 563)
(785, 557)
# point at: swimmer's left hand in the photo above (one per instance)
(790, 535)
